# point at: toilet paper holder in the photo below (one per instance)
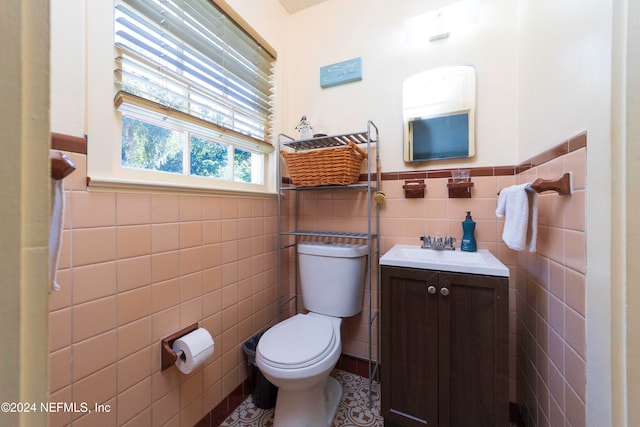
(168, 357)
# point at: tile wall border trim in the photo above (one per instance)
(69, 143)
(574, 143)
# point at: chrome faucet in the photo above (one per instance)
(438, 243)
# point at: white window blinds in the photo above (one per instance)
(188, 60)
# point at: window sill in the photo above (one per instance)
(100, 184)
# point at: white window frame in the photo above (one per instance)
(105, 128)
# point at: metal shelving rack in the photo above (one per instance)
(369, 137)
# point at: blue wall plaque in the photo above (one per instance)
(341, 72)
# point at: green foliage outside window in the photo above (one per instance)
(241, 165)
(149, 146)
(208, 158)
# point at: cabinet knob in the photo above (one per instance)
(431, 290)
(444, 292)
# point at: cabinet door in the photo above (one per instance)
(474, 351)
(409, 365)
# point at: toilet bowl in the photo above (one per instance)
(298, 354)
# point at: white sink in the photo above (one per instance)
(481, 262)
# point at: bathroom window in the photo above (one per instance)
(193, 92)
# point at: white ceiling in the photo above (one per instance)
(293, 6)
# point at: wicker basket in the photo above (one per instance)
(325, 166)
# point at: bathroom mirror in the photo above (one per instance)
(438, 114)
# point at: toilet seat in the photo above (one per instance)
(297, 342)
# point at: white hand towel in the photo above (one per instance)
(55, 233)
(519, 205)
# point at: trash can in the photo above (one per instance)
(264, 393)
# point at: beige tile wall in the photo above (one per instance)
(550, 301)
(137, 267)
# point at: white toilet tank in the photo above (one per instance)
(332, 277)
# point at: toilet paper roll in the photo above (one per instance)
(196, 347)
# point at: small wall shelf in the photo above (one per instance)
(459, 190)
(414, 189)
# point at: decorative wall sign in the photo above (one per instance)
(341, 72)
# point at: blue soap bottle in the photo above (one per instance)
(468, 243)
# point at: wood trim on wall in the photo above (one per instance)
(69, 143)
(572, 144)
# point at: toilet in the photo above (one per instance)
(298, 354)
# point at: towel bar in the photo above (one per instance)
(563, 185)
(61, 165)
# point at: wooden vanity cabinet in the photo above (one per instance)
(444, 359)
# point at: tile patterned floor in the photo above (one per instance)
(353, 410)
